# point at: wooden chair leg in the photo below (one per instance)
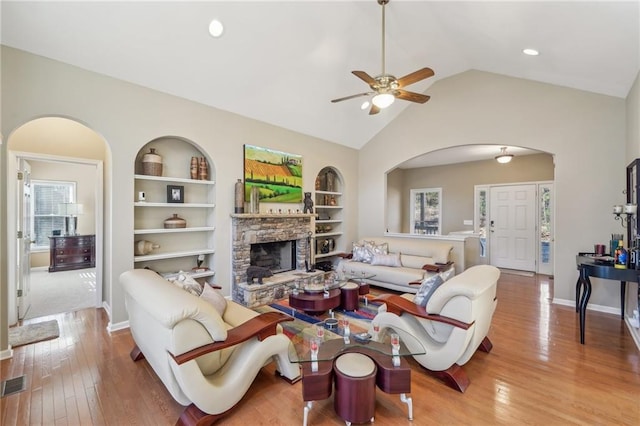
(136, 354)
(485, 345)
(454, 377)
(193, 416)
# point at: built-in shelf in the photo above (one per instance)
(328, 234)
(330, 254)
(173, 230)
(319, 192)
(175, 179)
(328, 224)
(179, 246)
(172, 255)
(174, 205)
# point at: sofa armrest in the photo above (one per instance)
(262, 326)
(438, 267)
(399, 305)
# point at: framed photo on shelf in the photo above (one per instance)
(175, 194)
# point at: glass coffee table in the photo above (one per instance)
(375, 360)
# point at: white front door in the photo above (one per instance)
(24, 239)
(512, 227)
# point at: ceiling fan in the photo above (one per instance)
(386, 88)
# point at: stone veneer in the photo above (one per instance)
(247, 229)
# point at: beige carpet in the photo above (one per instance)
(58, 292)
(32, 333)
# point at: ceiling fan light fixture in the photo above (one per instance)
(530, 52)
(383, 100)
(365, 105)
(504, 158)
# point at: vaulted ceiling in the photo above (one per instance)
(282, 62)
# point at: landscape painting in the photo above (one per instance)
(277, 174)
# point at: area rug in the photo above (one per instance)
(32, 333)
(359, 319)
(517, 272)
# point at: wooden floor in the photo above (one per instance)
(537, 373)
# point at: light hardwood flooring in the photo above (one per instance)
(537, 373)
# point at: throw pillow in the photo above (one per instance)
(187, 283)
(445, 275)
(382, 248)
(363, 252)
(392, 260)
(427, 288)
(213, 296)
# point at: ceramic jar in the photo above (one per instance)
(144, 247)
(152, 163)
(175, 222)
(239, 197)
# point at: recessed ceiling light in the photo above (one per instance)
(530, 52)
(215, 28)
(365, 105)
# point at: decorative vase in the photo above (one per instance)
(152, 163)
(175, 222)
(144, 247)
(193, 169)
(203, 169)
(254, 204)
(239, 197)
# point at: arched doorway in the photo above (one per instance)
(458, 176)
(63, 151)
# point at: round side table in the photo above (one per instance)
(355, 387)
(349, 295)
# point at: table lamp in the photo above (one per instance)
(70, 212)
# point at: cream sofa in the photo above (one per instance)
(414, 255)
(207, 361)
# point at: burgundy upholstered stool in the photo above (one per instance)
(355, 388)
(349, 295)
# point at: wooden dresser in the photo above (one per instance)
(72, 252)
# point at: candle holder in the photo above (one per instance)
(624, 213)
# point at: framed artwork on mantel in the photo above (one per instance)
(277, 174)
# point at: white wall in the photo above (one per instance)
(129, 116)
(584, 131)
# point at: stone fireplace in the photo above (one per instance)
(261, 229)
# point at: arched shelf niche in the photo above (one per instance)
(329, 215)
(160, 195)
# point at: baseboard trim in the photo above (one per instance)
(7, 353)
(590, 306)
(117, 326)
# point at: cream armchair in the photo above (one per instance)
(206, 361)
(453, 325)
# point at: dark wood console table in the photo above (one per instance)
(588, 267)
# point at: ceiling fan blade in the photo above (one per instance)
(364, 77)
(415, 77)
(374, 110)
(351, 97)
(411, 96)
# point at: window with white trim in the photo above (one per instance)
(426, 211)
(47, 195)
